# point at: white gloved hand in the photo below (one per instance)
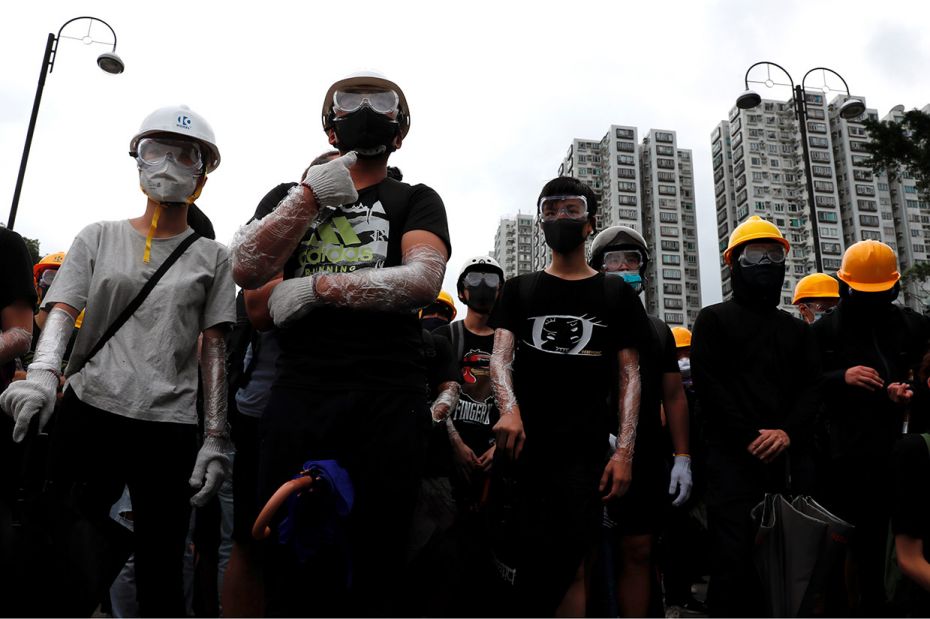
(211, 469)
(291, 300)
(331, 183)
(681, 480)
(24, 398)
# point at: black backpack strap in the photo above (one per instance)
(458, 340)
(139, 298)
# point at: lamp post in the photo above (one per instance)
(107, 61)
(850, 109)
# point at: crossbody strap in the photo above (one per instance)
(139, 298)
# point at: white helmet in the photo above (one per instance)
(183, 121)
(617, 236)
(478, 263)
(367, 78)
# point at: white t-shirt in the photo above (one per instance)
(148, 369)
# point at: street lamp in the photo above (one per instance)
(107, 61)
(851, 108)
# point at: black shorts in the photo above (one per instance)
(642, 509)
(245, 475)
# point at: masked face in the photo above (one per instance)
(433, 322)
(564, 235)
(634, 279)
(367, 132)
(481, 298)
(870, 300)
(168, 183)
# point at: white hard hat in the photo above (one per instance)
(367, 78)
(478, 263)
(617, 235)
(183, 121)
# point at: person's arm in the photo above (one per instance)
(911, 561)
(16, 324)
(508, 431)
(676, 411)
(260, 249)
(213, 464)
(256, 304)
(446, 400)
(619, 470)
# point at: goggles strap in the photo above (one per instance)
(147, 254)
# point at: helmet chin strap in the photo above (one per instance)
(147, 254)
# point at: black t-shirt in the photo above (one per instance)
(476, 412)
(657, 359)
(16, 283)
(910, 502)
(341, 348)
(441, 368)
(567, 337)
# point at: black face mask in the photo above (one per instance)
(760, 285)
(564, 235)
(367, 132)
(869, 301)
(434, 322)
(481, 298)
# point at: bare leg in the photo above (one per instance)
(633, 577)
(243, 592)
(575, 600)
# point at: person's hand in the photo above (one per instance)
(487, 459)
(509, 434)
(769, 444)
(291, 300)
(900, 393)
(863, 376)
(617, 476)
(331, 183)
(23, 399)
(681, 480)
(211, 468)
(464, 458)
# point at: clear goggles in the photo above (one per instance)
(476, 278)
(552, 207)
(818, 307)
(619, 259)
(154, 152)
(757, 253)
(383, 101)
(47, 277)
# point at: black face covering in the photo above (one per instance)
(481, 298)
(564, 235)
(367, 132)
(868, 301)
(433, 322)
(758, 286)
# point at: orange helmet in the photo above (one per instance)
(869, 266)
(51, 261)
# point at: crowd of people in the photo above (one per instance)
(332, 441)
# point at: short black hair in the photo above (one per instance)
(395, 173)
(571, 186)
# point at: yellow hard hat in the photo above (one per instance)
(869, 266)
(753, 229)
(446, 299)
(816, 286)
(682, 337)
(51, 261)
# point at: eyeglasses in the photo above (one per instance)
(616, 260)
(474, 278)
(755, 253)
(574, 207)
(154, 151)
(384, 101)
(47, 277)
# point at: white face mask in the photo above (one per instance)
(169, 182)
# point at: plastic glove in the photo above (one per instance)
(331, 182)
(291, 300)
(211, 469)
(24, 398)
(681, 480)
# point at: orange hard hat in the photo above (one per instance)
(869, 266)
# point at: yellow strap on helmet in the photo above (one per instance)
(147, 254)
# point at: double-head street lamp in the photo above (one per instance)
(851, 108)
(108, 61)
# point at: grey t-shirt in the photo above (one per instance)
(148, 369)
(252, 399)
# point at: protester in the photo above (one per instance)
(815, 295)
(128, 416)
(351, 375)
(871, 349)
(638, 516)
(439, 313)
(564, 339)
(755, 370)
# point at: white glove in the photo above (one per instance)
(24, 398)
(331, 183)
(211, 469)
(681, 480)
(291, 300)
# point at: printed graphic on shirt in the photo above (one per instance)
(356, 237)
(477, 399)
(563, 335)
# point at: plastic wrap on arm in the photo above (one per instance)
(502, 371)
(450, 428)
(13, 343)
(50, 349)
(213, 370)
(446, 401)
(629, 399)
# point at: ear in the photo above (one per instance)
(398, 141)
(331, 136)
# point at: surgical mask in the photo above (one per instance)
(635, 280)
(169, 182)
(433, 322)
(684, 366)
(481, 298)
(367, 132)
(564, 235)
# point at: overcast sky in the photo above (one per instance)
(497, 91)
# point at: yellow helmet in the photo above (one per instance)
(869, 266)
(816, 286)
(446, 299)
(682, 337)
(51, 261)
(753, 229)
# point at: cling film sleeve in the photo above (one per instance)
(213, 370)
(446, 401)
(629, 400)
(502, 371)
(13, 343)
(50, 349)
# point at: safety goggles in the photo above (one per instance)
(47, 277)
(618, 259)
(475, 278)
(574, 207)
(756, 253)
(382, 101)
(817, 307)
(154, 152)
